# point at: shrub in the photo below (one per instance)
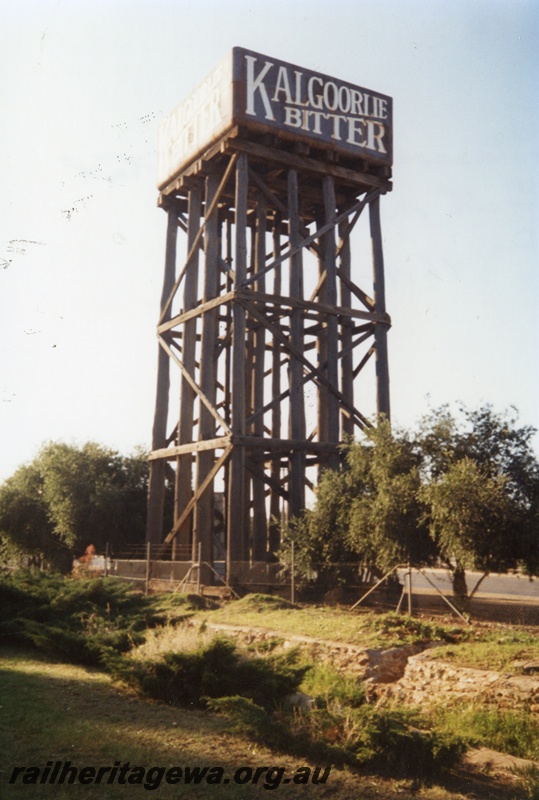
(79, 620)
(327, 685)
(384, 741)
(214, 670)
(412, 630)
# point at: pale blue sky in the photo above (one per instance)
(84, 85)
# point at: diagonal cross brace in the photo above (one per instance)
(316, 373)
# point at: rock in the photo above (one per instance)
(302, 701)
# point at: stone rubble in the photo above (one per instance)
(408, 674)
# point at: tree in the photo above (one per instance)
(502, 451)
(464, 489)
(469, 514)
(70, 497)
(318, 538)
(26, 530)
(385, 527)
(367, 512)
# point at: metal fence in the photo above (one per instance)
(508, 598)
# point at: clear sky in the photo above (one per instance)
(84, 85)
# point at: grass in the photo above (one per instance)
(513, 732)
(529, 783)
(65, 712)
(504, 651)
(54, 711)
(362, 627)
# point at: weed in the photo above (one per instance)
(327, 685)
(512, 732)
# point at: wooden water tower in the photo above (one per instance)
(266, 169)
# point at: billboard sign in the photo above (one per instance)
(265, 94)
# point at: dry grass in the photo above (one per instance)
(171, 638)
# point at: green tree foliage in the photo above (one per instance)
(70, 497)
(385, 526)
(368, 512)
(463, 490)
(470, 516)
(503, 455)
(317, 542)
(26, 530)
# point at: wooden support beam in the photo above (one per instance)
(300, 243)
(194, 385)
(197, 311)
(263, 477)
(156, 485)
(308, 165)
(298, 355)
(321, 342)
(363, 361)
(286, 445)
(197, 497)
(362, 296)
(190, 448)
(333, 411)
(259, 530)
(347, 365)
(280, 302)
(236, 490)
(210, 209)
(275, 499)
(380, 333)
(295, 369)
(184, 464)
(203, 520)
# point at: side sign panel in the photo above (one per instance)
(204, 116)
